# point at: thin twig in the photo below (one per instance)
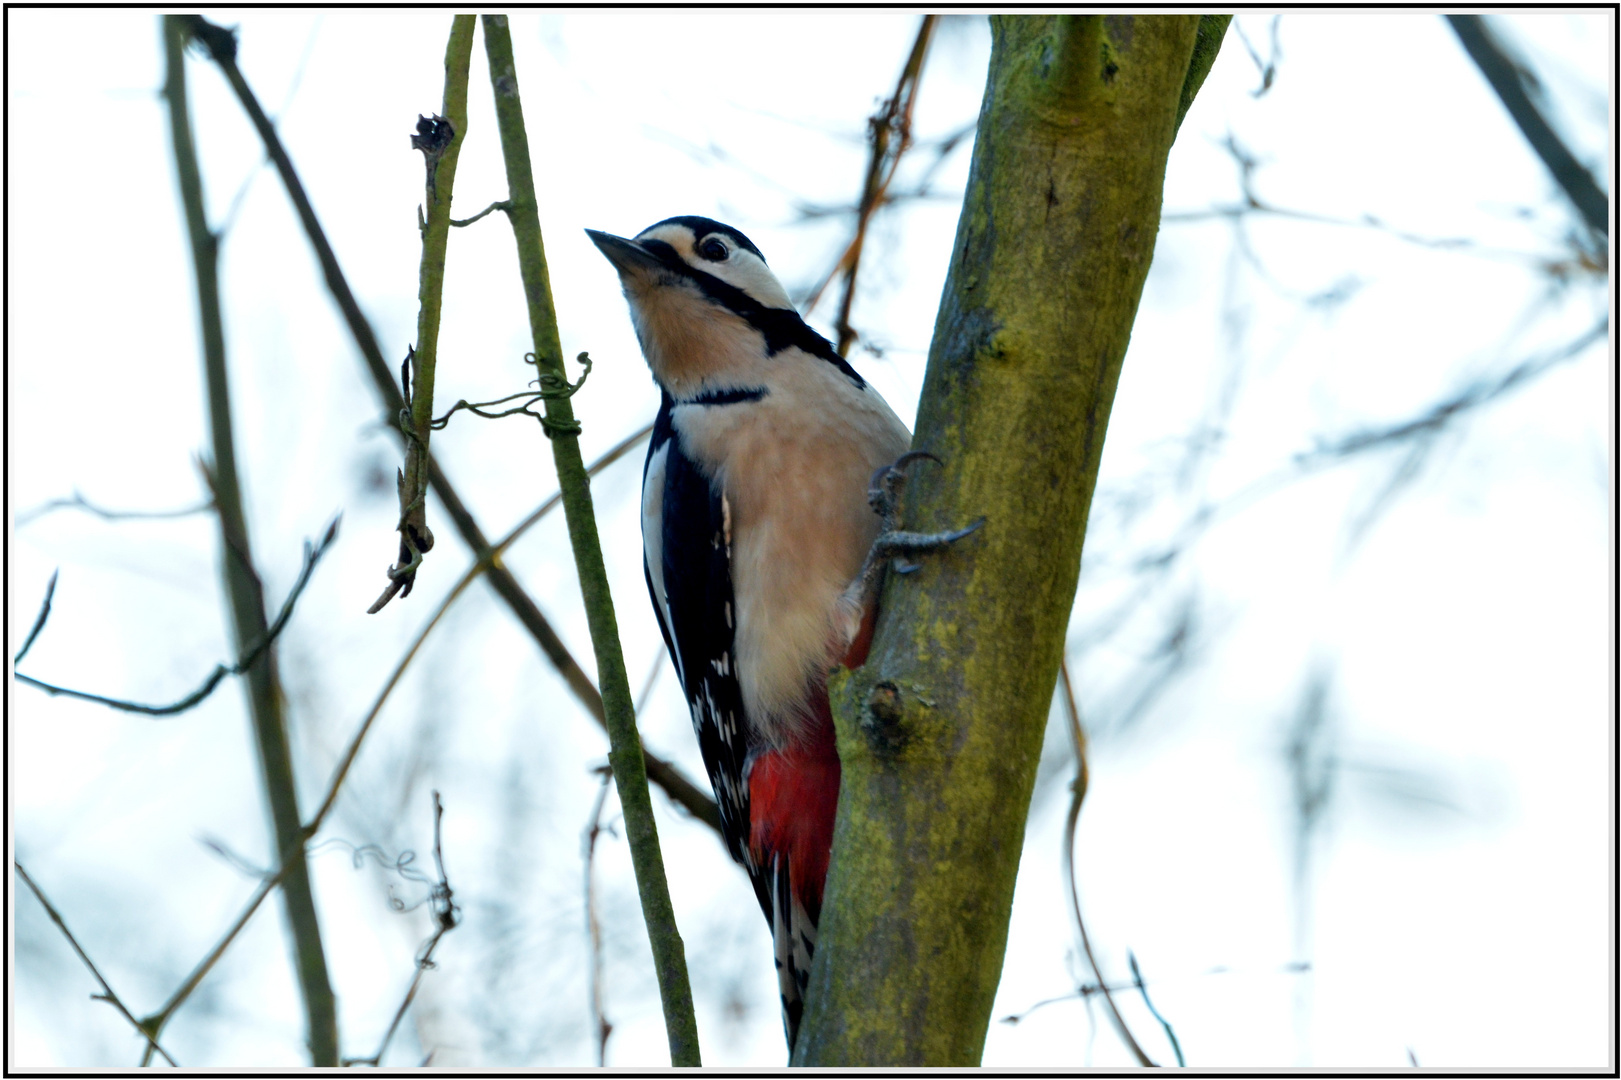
(286, 103)
(1142, 988)
(1481, 391)
(593, 927)
(1338, 450)
(1081, 993)
(156, 1022)
(1086, 991)
(107, 993)
(341, 772)
(1077, 738)
(1251, 203)
(490, 209)
(39, 620)
(78, 502)
(1367, 221)
(625, 752)
(445, 917)
(649, 682)
(889, 137)
(311, 557)
(1268, 68)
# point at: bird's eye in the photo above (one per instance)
(713, 250)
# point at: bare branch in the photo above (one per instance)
(244, 590)
(1253, 204)
(1085, 992)
(593, 927)
(156, 1022)
(78, 502)
(1508, 79)
(39, 620)
(196, 697)
(107, 993)
(889, 137)
(1078, 742)
(1481, 391)
(1337, 450)
(502, 205)
(1142, 988)
(1268, 67)
(1082, 993)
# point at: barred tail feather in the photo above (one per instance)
(794, 934)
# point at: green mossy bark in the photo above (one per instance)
(1212, 28)
(940, 732)
(440, 184)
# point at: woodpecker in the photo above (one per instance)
(762, 549)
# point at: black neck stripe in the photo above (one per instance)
(781, 327)
(730, 396)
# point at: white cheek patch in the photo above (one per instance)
(745, 270)
(742, 268)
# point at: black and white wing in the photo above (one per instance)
(686, 539)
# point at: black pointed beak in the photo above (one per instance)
(627, 255)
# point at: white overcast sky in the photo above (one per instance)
(1459, 894)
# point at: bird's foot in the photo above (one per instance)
(858, 606)
(883, 495)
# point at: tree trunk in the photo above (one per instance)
(939, 734)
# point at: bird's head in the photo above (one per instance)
(701, 297)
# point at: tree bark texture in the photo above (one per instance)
(939, 734)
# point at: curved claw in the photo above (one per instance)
(887, 481)
(914, 455)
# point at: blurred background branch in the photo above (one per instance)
(1512, 81)
(77, 501)
(243, 587)
(446, 916)
(107, 993)
(312, 555)
(889, 136)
